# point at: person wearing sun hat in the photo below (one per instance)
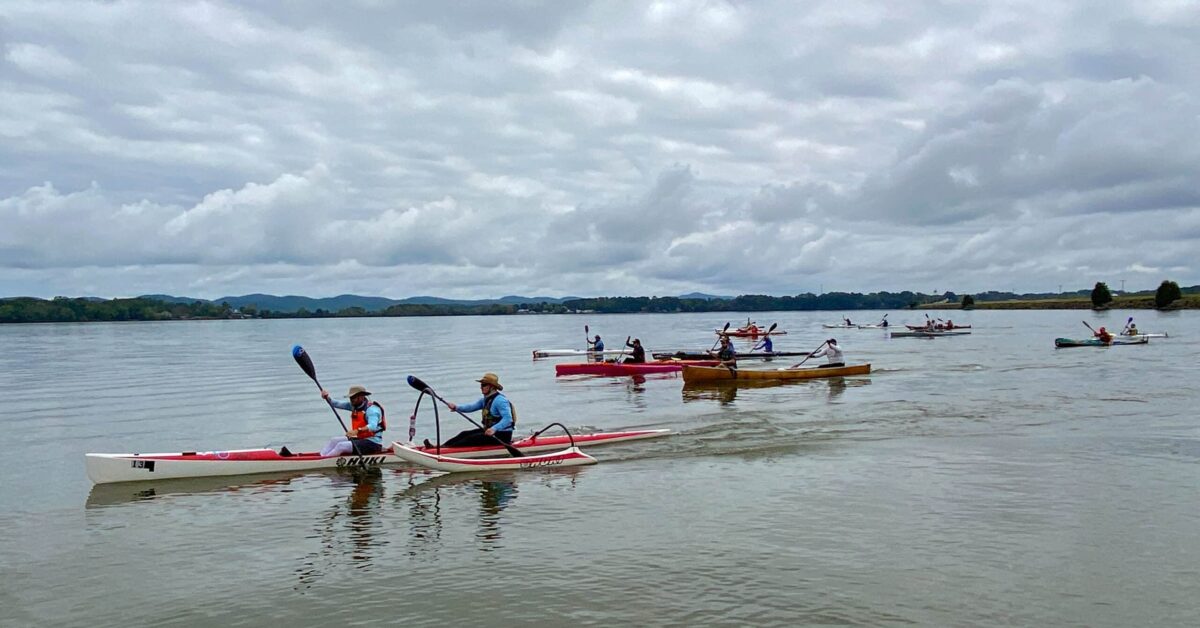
(499, 417)
(367, 422)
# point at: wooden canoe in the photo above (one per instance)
(693, 374)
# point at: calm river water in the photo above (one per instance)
(980, 480)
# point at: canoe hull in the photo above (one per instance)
(112, 468)
(1063, 343)
(693, 374)
(927, 334)
(569, 457)
(695, 355)
(109, 468)
(615, 369)
(748, 334)
(562, 353)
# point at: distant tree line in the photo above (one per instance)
(67, 310)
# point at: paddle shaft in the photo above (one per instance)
(718, 341)
(306, 365)
(810, 354)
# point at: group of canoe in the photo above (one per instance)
(699, 365)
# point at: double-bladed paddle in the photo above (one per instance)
(306, 365)
(416, 382)
(1125, 329)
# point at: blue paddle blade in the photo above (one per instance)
(297, 351)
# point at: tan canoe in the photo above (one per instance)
(721, 373)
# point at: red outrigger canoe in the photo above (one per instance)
(621, 368)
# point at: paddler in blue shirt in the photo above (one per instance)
(765, 345)
(367, 421)
(498, 419)
(597, 344)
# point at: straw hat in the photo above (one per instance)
(491, 379)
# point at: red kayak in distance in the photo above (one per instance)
(621, 368)
(748, 333)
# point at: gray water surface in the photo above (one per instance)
(987, 479)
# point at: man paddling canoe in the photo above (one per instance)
(367, 422)
(832, 353)
(766, 345)
(597, 345)
(639, 353)
(498, 419)
(726, 354)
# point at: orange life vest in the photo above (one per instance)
(358, 421)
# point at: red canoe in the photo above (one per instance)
(619, 368)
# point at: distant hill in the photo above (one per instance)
(707, 297)
(294, 303)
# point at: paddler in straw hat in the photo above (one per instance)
(366, 424)
(498, 419)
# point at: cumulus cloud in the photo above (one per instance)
(478, 149)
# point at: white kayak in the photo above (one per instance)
(839, 326)
(1140, 336)
(569, 457)
(559, 353)
(108, 468)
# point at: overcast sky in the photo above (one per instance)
(480, 149)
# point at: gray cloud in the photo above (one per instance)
(480, 149)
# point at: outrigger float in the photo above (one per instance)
(440, 458)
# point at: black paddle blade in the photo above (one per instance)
(772, 327)
(416, 382)
(305, 362)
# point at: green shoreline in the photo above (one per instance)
(82, 310)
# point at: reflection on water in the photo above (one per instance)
(350, 528)
(123, 493)
(725, 392)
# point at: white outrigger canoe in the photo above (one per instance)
(561, 353)
(569, 457)
(109, 468)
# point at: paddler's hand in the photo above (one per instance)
(489, 431)
(325, 394)
(453, 407)
(351, 433)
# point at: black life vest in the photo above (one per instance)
(490, 419)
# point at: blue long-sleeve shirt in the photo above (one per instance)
(500, 408)
(374, 417)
